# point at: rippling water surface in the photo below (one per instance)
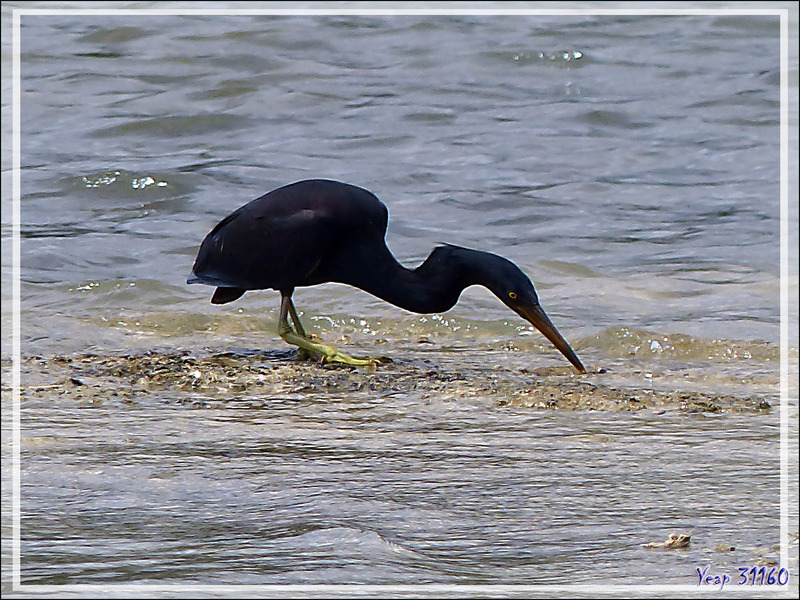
(629, 164)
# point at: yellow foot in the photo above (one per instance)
(337, 356)
(327, 354)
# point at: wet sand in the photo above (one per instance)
(255, 378)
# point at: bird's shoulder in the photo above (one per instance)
(324, 200)
(315, 207)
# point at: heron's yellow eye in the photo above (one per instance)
(512, 295)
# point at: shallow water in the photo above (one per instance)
(389, 490)
(630, 165)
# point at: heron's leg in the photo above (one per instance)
(327, 353)
(298, 326)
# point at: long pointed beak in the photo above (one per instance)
(539, 319)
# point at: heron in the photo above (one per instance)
(318, 231)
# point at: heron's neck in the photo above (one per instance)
(433, 287)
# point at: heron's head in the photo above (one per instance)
(507, 281)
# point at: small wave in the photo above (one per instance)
(623, 342)
(119, 184)
(350, 543)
